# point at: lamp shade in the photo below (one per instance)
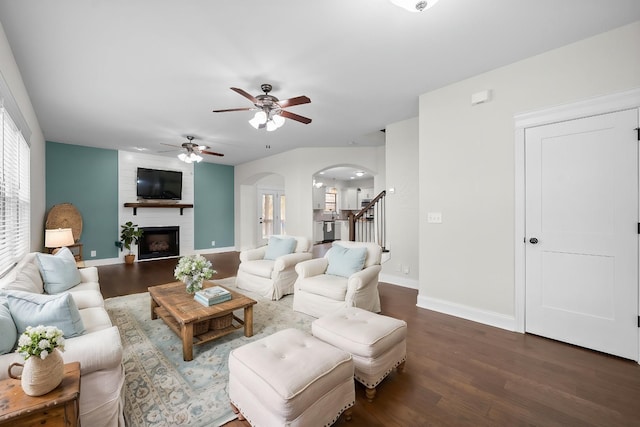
(58, 237)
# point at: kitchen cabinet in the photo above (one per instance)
(342, 230)
(366, 193)
(318, 232)
(318, 198)
(350, 199)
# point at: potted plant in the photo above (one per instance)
(44, 367)
(130, 233)
(193, 270)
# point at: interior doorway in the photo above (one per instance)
(271, 213)
(576, 224)
(581, 189)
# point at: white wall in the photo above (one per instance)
(12, 77)
(402, 204)
(297, 167)
(466, 163)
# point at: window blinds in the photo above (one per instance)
(14, 194)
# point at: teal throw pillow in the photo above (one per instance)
(9, 335)
(60, 310)
(345, 261)
(279, 246)
(59, 272)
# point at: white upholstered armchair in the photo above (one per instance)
(270, 270)
(347, 276)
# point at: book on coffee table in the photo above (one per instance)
(211, 296)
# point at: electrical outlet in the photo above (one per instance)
(434, 217)
(93, 253)
(406, 270)
(213, 243)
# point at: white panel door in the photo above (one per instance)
(582, 233)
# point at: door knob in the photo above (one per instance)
(533, 240)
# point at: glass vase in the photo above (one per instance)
(193, 285)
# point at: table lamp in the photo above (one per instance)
(57, 238)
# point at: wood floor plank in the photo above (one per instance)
(458, 372)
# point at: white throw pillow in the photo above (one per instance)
(27, 279)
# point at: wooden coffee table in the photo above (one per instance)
(195, 323)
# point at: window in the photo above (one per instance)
(330, 200)
(14, 193)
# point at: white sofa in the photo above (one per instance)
(98, 349)
(272, 276)
(338, 280)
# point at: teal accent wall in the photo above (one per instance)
(213, 205)
(87, 178)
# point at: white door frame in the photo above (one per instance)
(590, 107)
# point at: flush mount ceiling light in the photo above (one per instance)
(414, 5)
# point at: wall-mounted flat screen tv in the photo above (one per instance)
(159, 184)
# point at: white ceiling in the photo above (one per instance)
(123, 74)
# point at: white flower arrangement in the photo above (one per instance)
(192, 270)
(40, 341)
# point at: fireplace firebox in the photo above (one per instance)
(159, 242)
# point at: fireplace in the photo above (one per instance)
(159, 242)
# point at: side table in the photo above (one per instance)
(59, 407)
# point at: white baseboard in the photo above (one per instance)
(485, 317)
(103, 261)
(399, 281)
(111, 261)
(215, 250)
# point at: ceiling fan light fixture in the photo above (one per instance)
(415, 5)
(258, 121)
(271, 126)
(190, 157)
(278, 120)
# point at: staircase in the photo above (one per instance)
(369, 224)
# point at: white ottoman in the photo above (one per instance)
(291, 378)
(377, 343)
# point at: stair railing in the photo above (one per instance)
(369, 224)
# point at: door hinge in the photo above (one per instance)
(639, 228)
(638, 130)
(638, 321)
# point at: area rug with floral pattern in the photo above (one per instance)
(163, 390)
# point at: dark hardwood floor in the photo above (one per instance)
(460, 373)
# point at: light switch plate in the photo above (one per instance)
(434, 217)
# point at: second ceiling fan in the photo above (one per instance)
(271, 111)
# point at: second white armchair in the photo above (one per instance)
(270, 270)
(347, 276)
